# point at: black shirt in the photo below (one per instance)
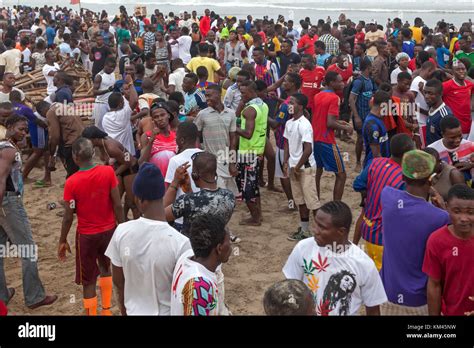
(100, 55)
(283, 61)
(349, 32)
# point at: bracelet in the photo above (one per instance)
(174, 187)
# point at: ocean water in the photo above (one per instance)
(431, 11)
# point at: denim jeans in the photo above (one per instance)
(15, 226)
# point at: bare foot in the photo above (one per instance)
(262, 183)
(358, 167)
(249, 222)
(274, 189)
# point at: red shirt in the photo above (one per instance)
(451, 259)
(89, 190)
(325, 103)
(412, 63)
(205, 25)
(345, 73)
(262, 34)
(458, 98)
(311, 83)
(307, 40)
(359, 37)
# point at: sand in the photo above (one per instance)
(255, 264)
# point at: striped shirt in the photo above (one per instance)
(268, 72)
(332, 44)
(381, 172)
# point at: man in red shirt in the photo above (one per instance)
(324, 122)
(344, 68)
(457, 94)
(93, 194)
(360, 35)
(205, 23)
(449, 257)
(306, 43)
(311, 78)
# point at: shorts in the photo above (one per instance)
(358, 130)
(100, 109)
(389, 308)
(38, 136)
(227, 183)
(90, 248)
(247, 180)
(375, 252)
(327, 156)
(279, 159)
(303, 187)
(65, 153)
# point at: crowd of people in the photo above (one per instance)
(188, 112)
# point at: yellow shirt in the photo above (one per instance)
(210, 64)
(451, 45)
(417, 36)
(277, 44)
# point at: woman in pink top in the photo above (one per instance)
(163, 147)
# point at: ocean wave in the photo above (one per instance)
(286, 7)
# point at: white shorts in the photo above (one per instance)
(100, 109)
(279, 160)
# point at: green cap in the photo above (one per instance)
(417, 164)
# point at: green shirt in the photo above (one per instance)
(256, 144)
(122, 34)
(470, 56)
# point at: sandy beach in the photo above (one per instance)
(255, 264)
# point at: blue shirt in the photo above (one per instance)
(433, 129)
(374, 132)
(63, 95)
(281, 118)
(409, 48)
(363, 88)
(440, 52)
(321, 58)
(50, 35)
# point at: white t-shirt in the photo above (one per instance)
(298, 132)
(49, 79)
(340, 282)
(117, 125)
(184, 48)
(394, 75)
(147, 250)
(419, 100)
(174, 49)
(459, 154)
(174, 163)
(191, 278)
(5, 97)
(176, 79)
(11, 59)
